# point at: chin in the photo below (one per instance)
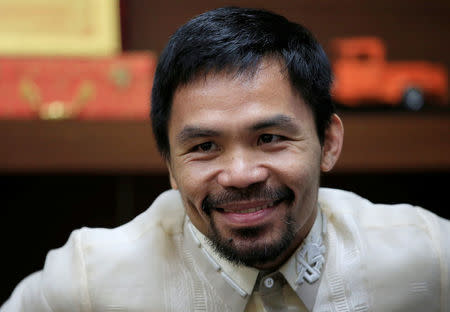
(256, 246)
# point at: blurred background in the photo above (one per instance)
(75, 141)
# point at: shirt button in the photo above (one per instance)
(268, 282)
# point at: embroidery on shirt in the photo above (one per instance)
(310, 259)
(214, 263)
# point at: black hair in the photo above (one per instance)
(236, 40)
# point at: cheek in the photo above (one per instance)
(298, 170)
(187, 185)
(191, 188)
(192, 181)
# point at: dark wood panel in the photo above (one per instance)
(72, 146)
(395, 142)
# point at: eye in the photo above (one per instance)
(268, 138)
(205, 147)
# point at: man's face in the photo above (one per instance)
(246, 158)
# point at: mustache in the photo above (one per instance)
(254, 192)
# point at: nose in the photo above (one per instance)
(241, 169)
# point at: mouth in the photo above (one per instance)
(247, 214)
(251, 207)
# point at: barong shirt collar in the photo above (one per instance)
(237, 284)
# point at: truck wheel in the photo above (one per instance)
(413, 99)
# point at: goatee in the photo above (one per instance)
(261, 251)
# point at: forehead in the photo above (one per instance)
(232, 99)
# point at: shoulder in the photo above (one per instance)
(95, 261)
(165, 215)
(402, 250)
(348, 209)
(411, 234)
(159, 223)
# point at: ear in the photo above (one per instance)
(332, 145)
(173, 183)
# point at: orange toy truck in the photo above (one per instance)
(363, 76)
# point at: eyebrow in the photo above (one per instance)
(192, 132)
(279, 121)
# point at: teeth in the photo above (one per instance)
(250, 210)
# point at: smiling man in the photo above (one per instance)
(242, 115)
(246, 157)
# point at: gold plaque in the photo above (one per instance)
(59, 27)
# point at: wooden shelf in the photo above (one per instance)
(78, 146)
(397, 141)
(381, 142)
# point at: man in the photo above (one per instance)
(242, 114)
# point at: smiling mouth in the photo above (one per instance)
(252, 200)
(235, 207)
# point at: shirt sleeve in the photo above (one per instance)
(60, 286)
